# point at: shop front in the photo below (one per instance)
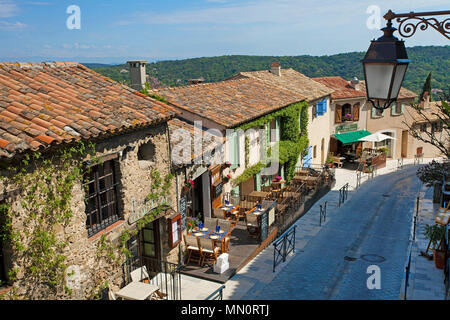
(347, 145)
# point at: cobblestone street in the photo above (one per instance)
(330, 262)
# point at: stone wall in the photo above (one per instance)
(88, 267)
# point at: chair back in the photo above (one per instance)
(139, 274)
(206, 244)
(210, 223)
(111, 295)
(219, 213)
(224, 225)
(191, 241)
(251, 218)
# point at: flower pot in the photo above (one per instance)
(439, 258)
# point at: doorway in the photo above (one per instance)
(197, 197)
(404, 143)
(322, 151)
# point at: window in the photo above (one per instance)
(347, 112)
(146, 155)
(396, 109)
(423, 127)
(314, 111)
(101, 197)
(314, 151)
(174, 231)
(377, 113)
(148, 238)
(436, 126)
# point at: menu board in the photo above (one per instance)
(183, 212)
(264, 225)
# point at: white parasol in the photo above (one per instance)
(376, 137)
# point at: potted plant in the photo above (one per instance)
(227, 164)
(435, 234)
(226, 178)
(188, 185)
(348, 117)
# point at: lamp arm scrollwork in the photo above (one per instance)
(409, 23)
(385, 105)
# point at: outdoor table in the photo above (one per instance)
(256, 211)
(204, 233)
(259, 194)
(442, 216)
(218, 237)
(137, 291)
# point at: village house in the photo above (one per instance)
(225, 107)
(391, 122)
(317, 96)
(71, 216)
(428, 124)
(348, 116)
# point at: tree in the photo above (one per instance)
(440, 114)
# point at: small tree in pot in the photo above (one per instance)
(435, 234)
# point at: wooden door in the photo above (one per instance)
(322, 151)
(404, 143)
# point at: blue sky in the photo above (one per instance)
(117, 30)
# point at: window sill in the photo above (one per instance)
(106, 230)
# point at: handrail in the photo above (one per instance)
(343, 193)
(323, 213)
(217, 294)
(287, 246)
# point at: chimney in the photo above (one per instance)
(196, 81)
(354, 83)
(275, 68)
(137, 74)
(424, 103)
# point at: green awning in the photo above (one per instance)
(351, 137)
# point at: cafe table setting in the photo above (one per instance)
(217, 235)
(200, 231)
(258, 210)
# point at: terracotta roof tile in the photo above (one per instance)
(232, 102)
(40, 102)
(342, 88)
(291, 80)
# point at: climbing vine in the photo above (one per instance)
(293, 138)
(46, 186)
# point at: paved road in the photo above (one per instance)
(376, 222)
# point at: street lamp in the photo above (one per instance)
(384, 66)
(386, 60)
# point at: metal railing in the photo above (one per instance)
(418, 158)
(165, 275)
(283, 246)
(358, 178)
(343, 194)
(400, 163)
(217, 294)
(323, 213)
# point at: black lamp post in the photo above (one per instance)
(386, 59)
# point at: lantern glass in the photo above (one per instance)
(378, 79)
(398, 79)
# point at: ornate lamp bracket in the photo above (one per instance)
(385, 105)
(410, 22)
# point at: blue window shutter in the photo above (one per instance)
(258, 181)
(324, 105)
(319, 108)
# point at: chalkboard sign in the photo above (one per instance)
(264, 225)
(218, 189)
(183, 212)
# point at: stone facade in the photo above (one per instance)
(87, 268)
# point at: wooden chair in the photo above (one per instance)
(252, 224)
(139, 274)
(193, 248)
(210, 223)
(224, 225)
(220, 214)
(227, 243)
(208, 251)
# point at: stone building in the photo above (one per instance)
(318, 97)
(50, 108)
(222, 108)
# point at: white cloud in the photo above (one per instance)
(12, 26)
(8, 9)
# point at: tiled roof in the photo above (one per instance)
(177, 141)
(291, 80)
(431, 111)
(42, 104)
(403, 93)
(342, 88)
(232, 102)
